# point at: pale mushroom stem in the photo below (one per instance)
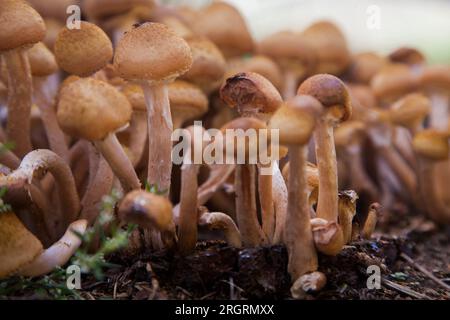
(187, 230)
(121, 165)
(58, 254)
(327, 206)
(439, 110)
(290, 84)
(19, 100)
(280, 198)
(217, 177)
(160, 129)
(266, 200)
(359, 178)
(298, 234)
(55, 135)
(219, 220)
(246, 214)
(138, 136)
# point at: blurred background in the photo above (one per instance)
(378, 25)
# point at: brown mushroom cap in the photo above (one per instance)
(55, 9)
(223, 24)
(330, 45)
(290, 50)
(146, 209)
(436, 78)
(83, 51)
(251, 93)
(364, 66)
(42, 60)
(410, 110)
(393, 81)
(18, 246)
(178, 26)
(187, 101)
(91, 109)
(409, 56)
(208, 64)
(152, 52)
(20, 25)
(331, 92)
(99, 9)
(349, 132)
(432, 144)
(296, 119)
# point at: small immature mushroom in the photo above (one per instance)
(244, 180)
(371, 220)
(295, 56)
(410, 112)
(187, 102)
(81, 104)
(347, 210)
(155, 56)
(21, 27)
(364, 66)
(18, 246)
(432, 146)
(308, 283)
(222, 221)
(58, 254)
(223, 24)
(333, 95)
(208, 65)
(83, 51)
(296, 121)
(149, 211)
(254, 96)
(331, 47)
(35, 165)
(409, 56)
(43, 64)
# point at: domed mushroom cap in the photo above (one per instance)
(409, 56)
(18, 246)
(266, 67)
(91, 109)
(223, 24)
(290, 50)
(330, 45)
(146, 209)
(432, 144)
(83, 51)
(178, 26)
(296, 119)
(208, 64)
(54, 27)
(187, 100)
(152, 52)
(135, 96)
(436, 78)
(349, 132)
(251, 93)
(20, 25)
(331, 92)
(98, 9)
(364, 66)
(42, 60)
(55, 9)
(410, 110)
(393, 81)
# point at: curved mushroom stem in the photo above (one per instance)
(402, 141)
(160, 129)
(297, 234)
(138, 136)
(58, 254)
(246, 215)
(19, 100)
(121, 165)
(371, 221)
(280, 199)
(37, 163)
(55, 135)
(266, 203)
(187, 228)
(217, 177)
(100, 185)
(219, 220)
(359, 179)
(290, 84)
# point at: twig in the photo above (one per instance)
(425, 271)
(404, 289)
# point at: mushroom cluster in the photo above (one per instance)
(352, 137)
